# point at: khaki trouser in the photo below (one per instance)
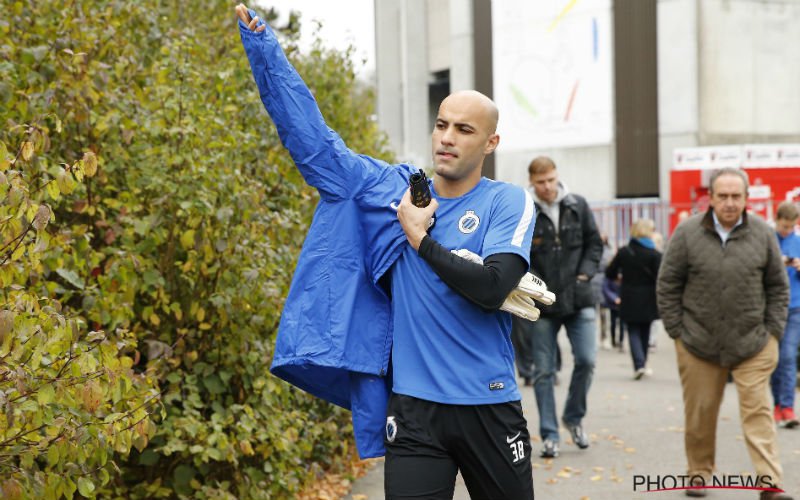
(703, 386)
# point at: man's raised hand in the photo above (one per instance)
(244, 15)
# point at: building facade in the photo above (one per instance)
(608, 88)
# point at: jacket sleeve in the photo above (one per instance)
(613, 267)
(671, 282)
(592, 243)
(609, 294)
(776, 289)
(319, 153)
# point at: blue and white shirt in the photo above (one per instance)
(445, 348)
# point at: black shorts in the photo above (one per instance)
(427, 443)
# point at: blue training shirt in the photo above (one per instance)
(790, 247)
(446, 349)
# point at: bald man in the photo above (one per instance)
(379, 299)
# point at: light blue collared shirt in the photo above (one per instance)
(721, 231)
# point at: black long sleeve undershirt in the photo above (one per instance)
(487, 285)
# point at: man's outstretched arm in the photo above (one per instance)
(319, 153)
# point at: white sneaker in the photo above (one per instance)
(638, 374)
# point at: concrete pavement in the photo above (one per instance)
(636, 428)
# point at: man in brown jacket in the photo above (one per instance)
(723, 296)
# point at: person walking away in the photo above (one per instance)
(722, 294)
(611, 297)
(597, 281)
(784, 378)
(638, 263)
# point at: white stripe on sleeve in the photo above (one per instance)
(524, 222)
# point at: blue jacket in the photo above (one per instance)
(790, 247)
(335, 334)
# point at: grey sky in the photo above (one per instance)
(348, 22)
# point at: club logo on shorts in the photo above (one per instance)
(469, 222)
(391, 429)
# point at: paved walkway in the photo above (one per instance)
(636, 428)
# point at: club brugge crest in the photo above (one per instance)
(468, 222)
(391, 429)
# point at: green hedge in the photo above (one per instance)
(175, 221)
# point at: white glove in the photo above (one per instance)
(520, 302)
(536, 288)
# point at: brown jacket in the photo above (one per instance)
(722, 302)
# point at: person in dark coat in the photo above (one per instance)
(611, 301)
(638, 262)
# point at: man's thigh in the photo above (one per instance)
(417, 464)
(493, 450)
(581, 331)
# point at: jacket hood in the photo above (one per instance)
(563, 191)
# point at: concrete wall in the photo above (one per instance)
(589, 171)
(402, 78)
(678, 76)
(750, 71)
(438, 15)
(728, 72)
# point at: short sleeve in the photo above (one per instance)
(512, 222)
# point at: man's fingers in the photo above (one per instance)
(253, 23)
(242, 12)
(406, 197)
(261, 28)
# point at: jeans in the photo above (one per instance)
(616, 321)
(581, 332)
(639, 340)
(784, 378)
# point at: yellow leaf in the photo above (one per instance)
(205, 326)
(187, 239)
(246, 447)
(27, 150)
(65, 182)
(201, 314)
(52, 190)
(90, 163)
(154, 319)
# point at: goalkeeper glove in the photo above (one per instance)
(520, 302)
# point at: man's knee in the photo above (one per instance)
(543, 377)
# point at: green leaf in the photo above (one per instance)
(52, 455)
(148, 458)
(214, 384)
(71, 277)
(85, 487)
(46, 394)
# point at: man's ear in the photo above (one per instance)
(491, 144)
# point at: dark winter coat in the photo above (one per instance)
(723, 302)
(639, 268)
(559, 258)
